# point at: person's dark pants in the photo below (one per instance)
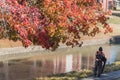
(104, 62)
(98, 68)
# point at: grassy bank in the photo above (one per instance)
(114, 20)
(75, 75)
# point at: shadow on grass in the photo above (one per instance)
(115, 40)
(116, 13)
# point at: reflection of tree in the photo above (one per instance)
(76, 62)
(91, 61)
(87, 62)
(84, 62)
(39, 64)
(45, 66)
(59, 64)
(118, 55)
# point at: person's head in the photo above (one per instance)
(100, 49)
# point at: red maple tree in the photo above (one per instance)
(50, 22)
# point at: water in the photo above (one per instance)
(40, 64)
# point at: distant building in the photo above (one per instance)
(106, 4)
(116, 4)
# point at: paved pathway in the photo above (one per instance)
(107, 76)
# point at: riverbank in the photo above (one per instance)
(30, 49)
(111, 72)
(115, 75)
(10, 47)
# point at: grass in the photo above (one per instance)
(74, 75)
(114, 20)
(57, 78)
(112, 67)
(115, 17)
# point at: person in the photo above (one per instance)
(104, 59)
(100, 61)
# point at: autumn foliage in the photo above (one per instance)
(49, 23)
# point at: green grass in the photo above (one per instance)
(114, 20)
(112, 67)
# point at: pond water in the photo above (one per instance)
(27, 66)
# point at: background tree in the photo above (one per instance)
(50, 22)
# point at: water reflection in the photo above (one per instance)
(69, 59)
(58, 62)
(114, 53)
(27, 70)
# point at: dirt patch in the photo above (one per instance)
(5, 43)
